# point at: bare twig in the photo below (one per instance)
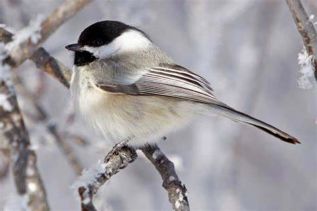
(77, 139)
(306, 29)
(66, 149)
(118, 158)
(61, 14)
(43, 117)
(177, 192)
(51, 66)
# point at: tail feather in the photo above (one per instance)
(244, 118)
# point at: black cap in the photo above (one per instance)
(103, 33)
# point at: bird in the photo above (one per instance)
(129, 89)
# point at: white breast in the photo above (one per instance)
(86, 98)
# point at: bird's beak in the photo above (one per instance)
(74, 47)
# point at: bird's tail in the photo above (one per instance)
(235, 115)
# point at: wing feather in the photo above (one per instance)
(167, 80)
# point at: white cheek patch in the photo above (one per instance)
(128, 41)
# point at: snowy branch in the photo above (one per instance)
(306, 29)
(14, 134)
(91, 180)
(177, 192)
(44, 61)
(24, 49)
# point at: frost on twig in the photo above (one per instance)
(5, 80)
(177, 192)
(91, 180)
(305, 62)
(42, 60)
(305, 27)
(19, 53)
(31, 32)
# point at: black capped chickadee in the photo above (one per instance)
(129, 89)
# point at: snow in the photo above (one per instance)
(177, 204)
(90, 176)
(311, 17)
(4, 76)
(32, 32)
(306, 69)
(156, 154)
(32, 187)
(4, 68)
(171, 178)
(180, 198)
(5, 103)
(9, 29)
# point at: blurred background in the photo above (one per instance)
(248, 51)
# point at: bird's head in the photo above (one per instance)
(107, 38)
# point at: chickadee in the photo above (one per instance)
(129, 89)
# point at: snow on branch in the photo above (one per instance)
(177, 192)
(31, 32)
(91, 180)
(306, 28)
(305, 62)
(39, 31)
(42, 59)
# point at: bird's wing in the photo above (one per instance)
(167, 80)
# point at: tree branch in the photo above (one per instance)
(177, 192)
(51, 66)
(61, 14)
(14, 133)
(306, 29)
(44, 61)
(89, 183)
